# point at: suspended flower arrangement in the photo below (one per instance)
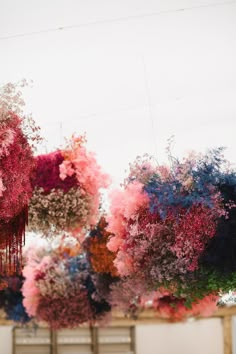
(16, 164)
(170, 307)
(66, 193)
(100, 257)
(126, 296)
(173, 227)
(130, 297)
(60, 288)
(3, 284)
(11, 300)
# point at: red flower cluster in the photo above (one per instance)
(54, 311)
(66, 194)
(16, 164)
(192, 233)
(175, 309)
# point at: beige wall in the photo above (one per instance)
(196, 337)
(6, 340)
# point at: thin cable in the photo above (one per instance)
(61, 133)
(101, 114)
(120, 19)
(149, 105)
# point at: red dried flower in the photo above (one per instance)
(16, 164)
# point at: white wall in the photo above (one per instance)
(6, 339)
(198, 337)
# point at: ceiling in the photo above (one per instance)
(130, 73)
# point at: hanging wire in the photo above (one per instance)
(150, 108)
(119, 19)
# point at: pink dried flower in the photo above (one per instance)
(66, 191)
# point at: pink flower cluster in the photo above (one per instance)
(173, 308)
(192, 233)
(67, 187)
(16, 165)
(83, 165)
(126, 295)
(124, 208)
(142, 241)
(162, 220)
(55, 284)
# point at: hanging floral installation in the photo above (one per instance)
(17, 136)
(169, 240)
(174, 309)
(170, 307)
(126, 296)
(3, 284)
(11, 300)
(100, 257)
(66, 193)
(173, 227)
(132, 298)
(60, 288)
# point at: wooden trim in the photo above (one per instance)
(94, 340)
(53, 344)
(13, 340)
(227, 333)
(147, 316)
(133, 339)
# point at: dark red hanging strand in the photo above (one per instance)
(12, 238)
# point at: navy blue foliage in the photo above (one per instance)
(220, 253)
(11, 300)
(80, 265)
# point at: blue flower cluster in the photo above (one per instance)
(11, 300)
(206, 174)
